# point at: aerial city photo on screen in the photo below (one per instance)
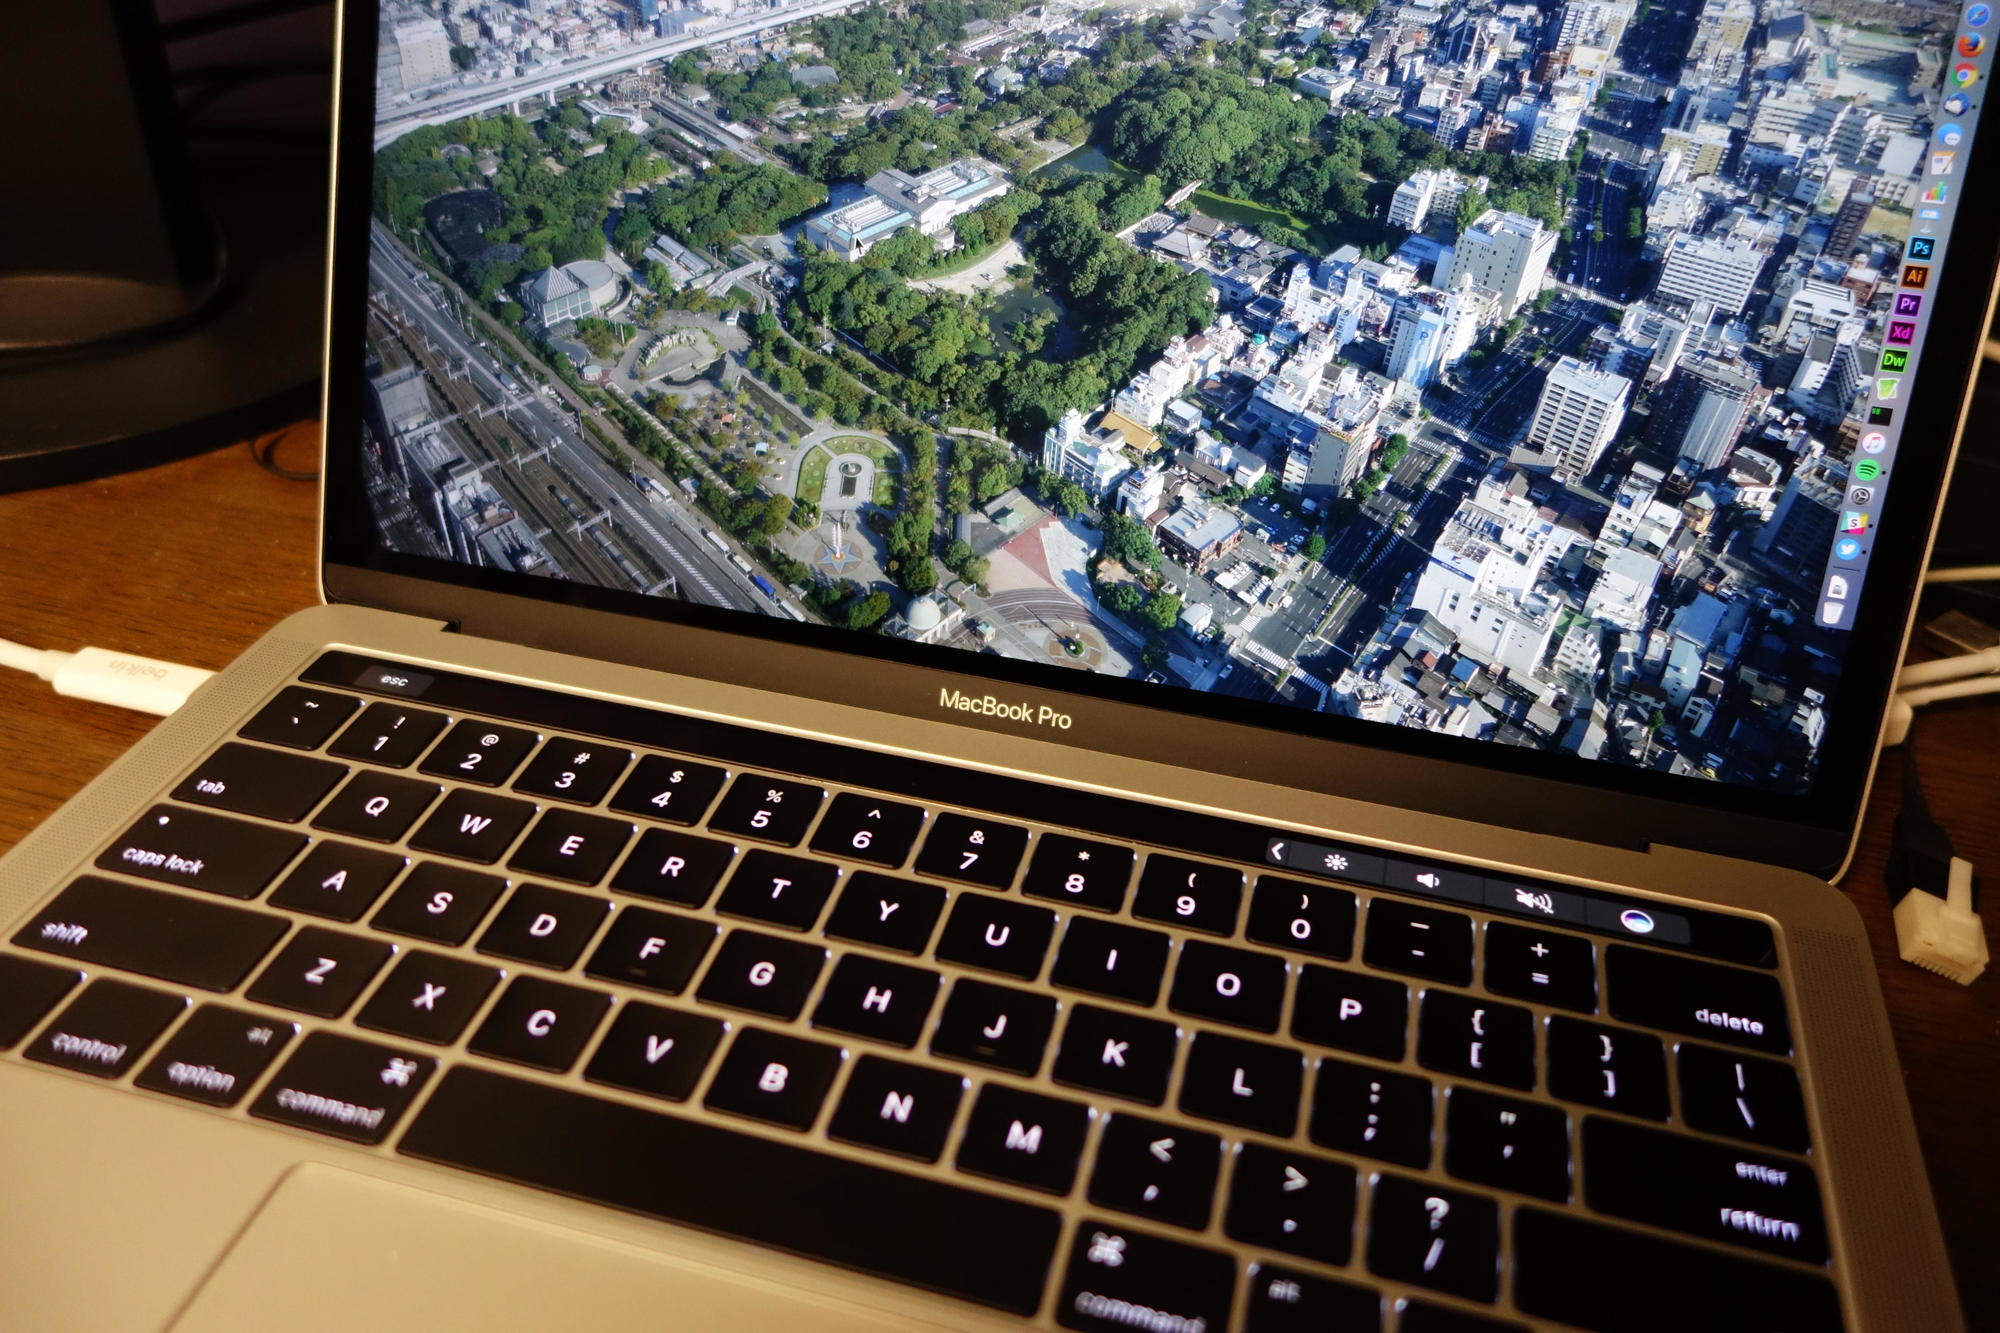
(1507, 370)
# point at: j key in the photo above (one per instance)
(784, 890)
(1024, 1137)
(995, 1025)
(570, 845)
(1361, 1109)
(1429, 1236)
(657, 950)
(674, 867)
(300, 718)
(388, 735)
(1243, 1083)
(972, 850)
(347, 1088)
(771, 1077)
(898, 1108)
(439, 902)
(540, 1023)
(660, 1052)
(1106, 1050)
(482, 753)
(1151, 1169)
(105, 1030)
(997, 935)
(1114, 1271)
(1615, 1068)
(473, 826)
(863, 828)
(762, 974)
(320, 972)
(28, 990)
(338, 881)
(1726, 1004)
(870, 997)
(1530, 963)
(688, 1171)
(1310, 918)
(216, 1055)
(251, 780)
(543, 925)
(377, 806)
(1585, 1273)
(1231, 986)
(1423, 1317)
(1505, 1142)
(1742, 1096)
(1292, 1201)
(428, 997)
(1077, 871)
(767, 809)
(566, 769)
(1461, 1034)
(1189, 893)
(1420, 941)
(1106, 958)
(1717, 1191)
(184, 940)
(1283, 1300)
(895, 914)
(669, 790)
(202, 851)
(1352, 1011)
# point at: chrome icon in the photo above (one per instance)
(1964, 75)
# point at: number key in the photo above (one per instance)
(973, 850)
(568, 769)
(1311, 918)
(767, 809)
(862, 828)
(669, 790)
(1189, 893)
(1074, 870)
(389, 735)
(482, 753)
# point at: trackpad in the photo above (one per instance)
(332, 1250)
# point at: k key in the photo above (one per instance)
(1107, 1050)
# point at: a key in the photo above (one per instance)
(540, 1023)
(657, 950)
(250, 780)
(1233, 986)
(867, 828)
(1419, 941)
(1284, 1300)
(473, 826)
(897, 1108)
(972, 849)
(335, 1084)
(774, 1078)
(173, 937)
(889, 913)
(1246, 1083)
(1352, 1011)
(570, 845)
(767, 809)
(440, 903)
(1107, 1050)
(1507, 1143)
(870, 997)
(1080, 872)
(672, 791)
(1291, 1201)
(1547, 966)
(28, 990)
(300, 718)
(1610, 1067)
(1025, 1138)
(1361, 1109)
(337, 880)
(198, 850)
(1114, 1270)
(1193, 894)
(762, 974)
(995, 1025)
(428, 997)
(320, 971)
(1156, 1170)
(1311, 918)
(1742, 1096)
(106, 1028)
(1430, 1236)
(1474, 1038)
(1706, 1000)
(997, 935)
(1111, 959)
(660, 1052)
(377, 806)
(577, 771)
(543, 925)
(787, 891)
(388, 735)
(674, 867)
(1744, 1197)
(216, 1055)
(484, 754)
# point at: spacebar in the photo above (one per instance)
(929, 1234)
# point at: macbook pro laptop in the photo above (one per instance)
(1280, 768)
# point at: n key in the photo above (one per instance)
(897, 1108)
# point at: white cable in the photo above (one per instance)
(1953, 689)
(124, 680)
(1964, 574)
(1983, 663)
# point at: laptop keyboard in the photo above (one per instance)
(1149, 1088)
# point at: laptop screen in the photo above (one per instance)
(1531, 378)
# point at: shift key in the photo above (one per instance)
(171, 936)
(202, 851)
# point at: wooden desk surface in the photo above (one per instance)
(193, 560)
